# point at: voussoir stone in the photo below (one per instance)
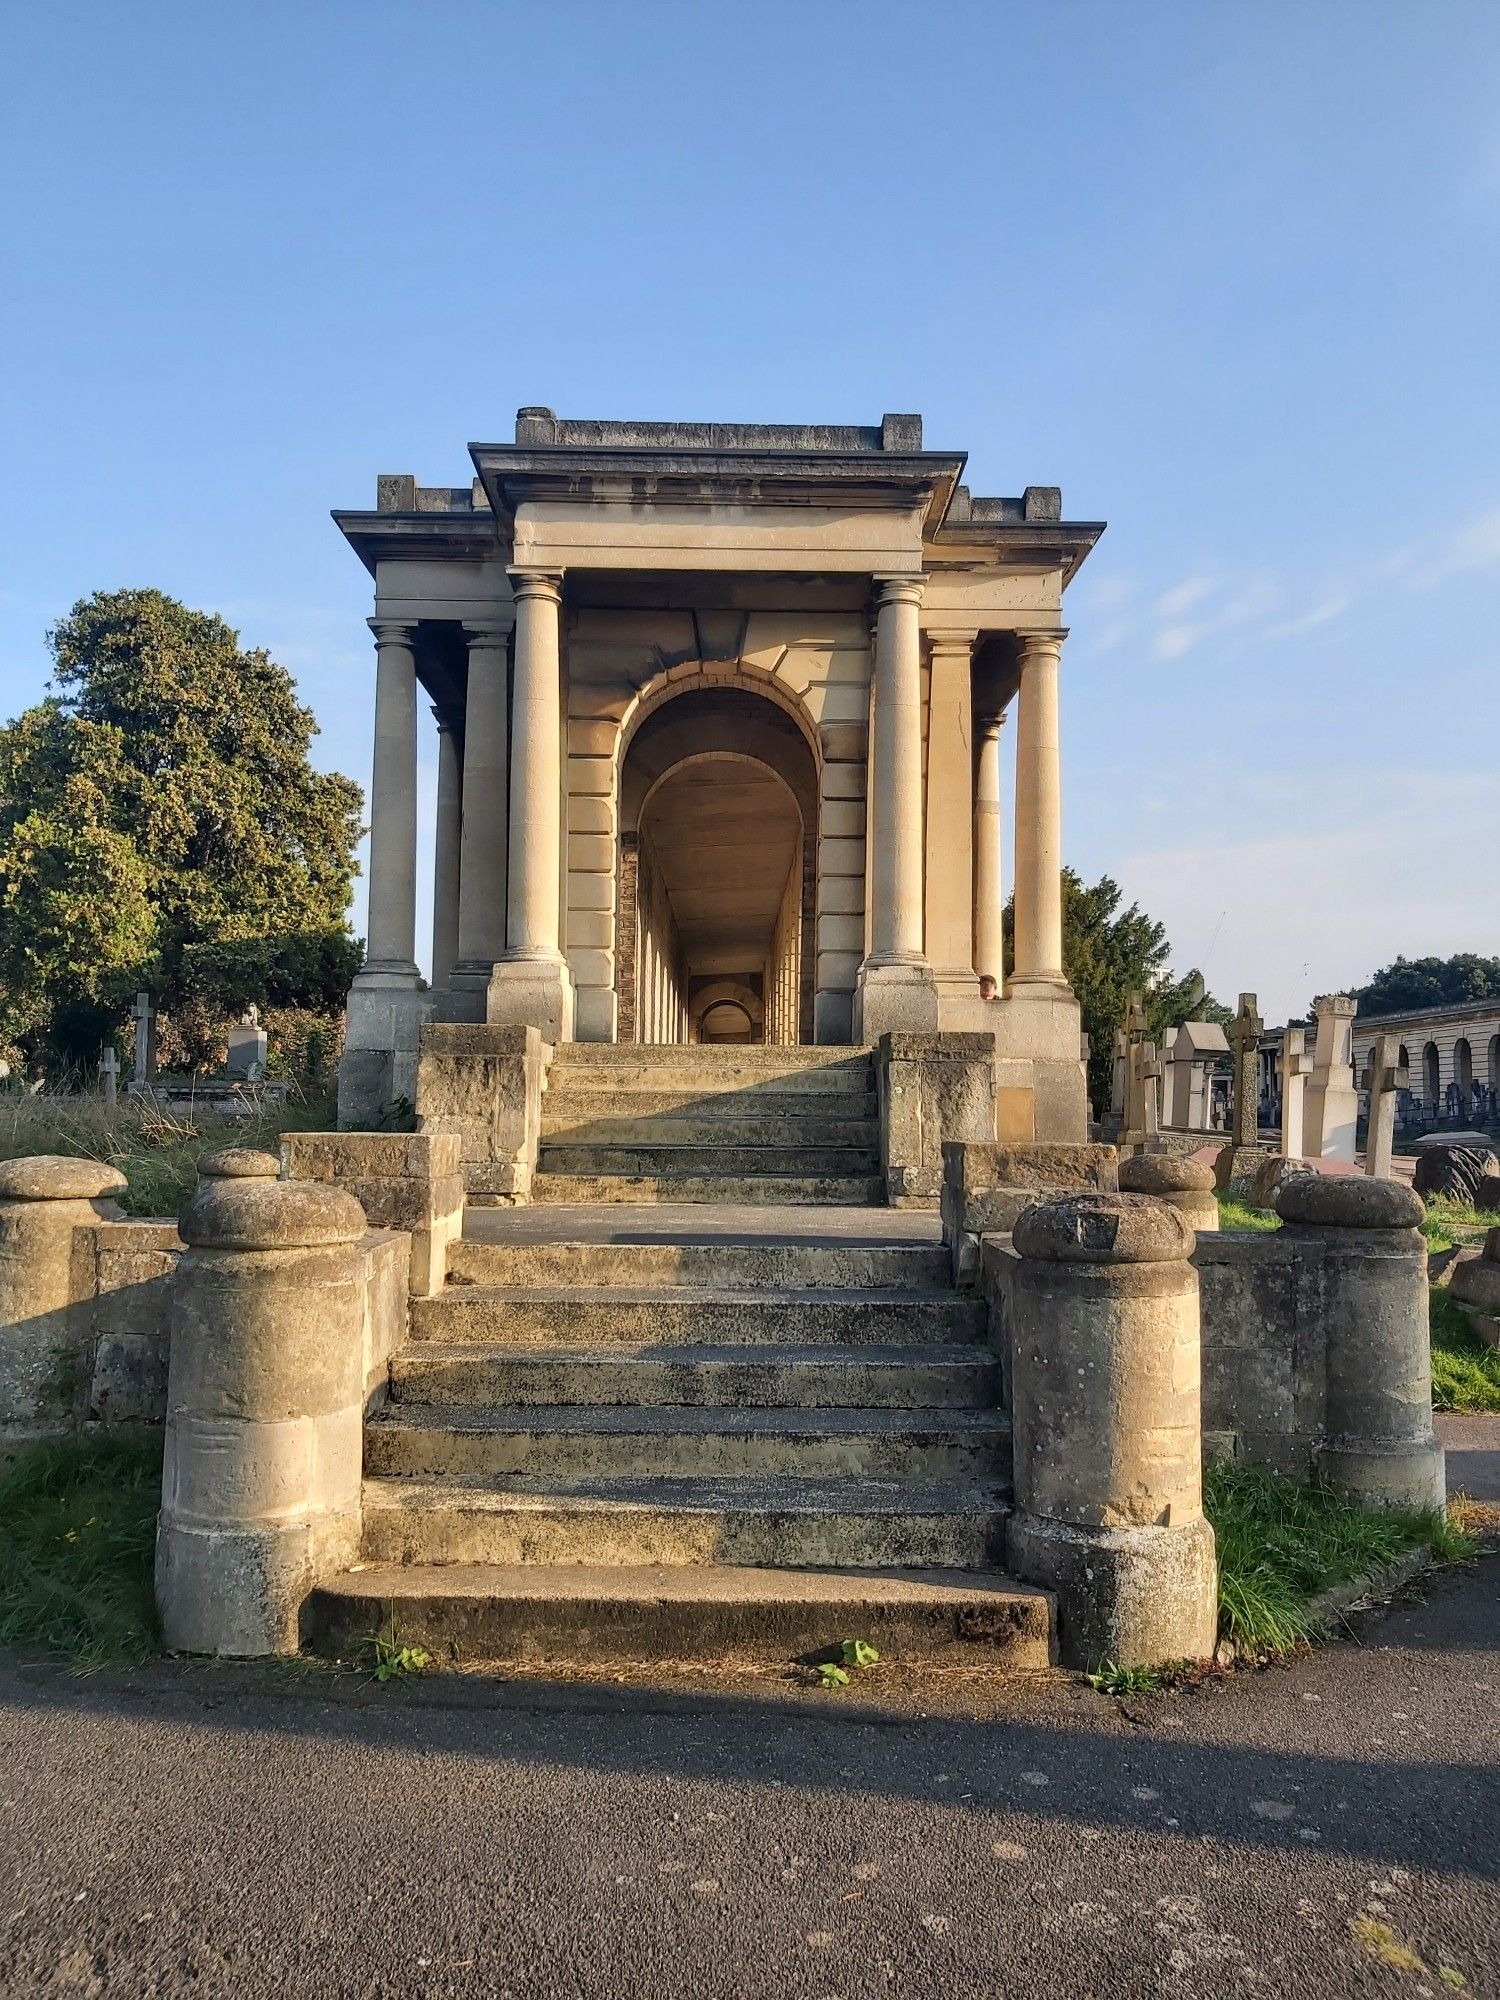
(1160, 1173)
(58, 1177)
(1349, 1202)
(1103, 1229)
(257, 1213)
(240, 1163)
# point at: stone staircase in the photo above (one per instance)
(683, 1442)
(676, 1122)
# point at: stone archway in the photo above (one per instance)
(717, 864)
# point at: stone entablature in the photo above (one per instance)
(597, 573)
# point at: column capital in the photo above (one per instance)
(898, 589)
(989, 721)
(1043, 642)
(543, 583)
(494, 631)
(951, 639)
(393, 631)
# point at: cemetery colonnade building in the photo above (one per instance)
(718, 711)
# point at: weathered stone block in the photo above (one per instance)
(986, 1187)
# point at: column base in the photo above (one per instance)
(467, 993)
(1407, 1475)
(532, 993)
(382, 1028)
(894, 999)
(1040, 1086)
(1141, 1597)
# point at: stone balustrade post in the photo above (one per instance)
(50, 1207)
(1378, 1442)
(1108, 1434)
(1186, 1184)
(265, 1407)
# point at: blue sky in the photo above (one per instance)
(1226, 273)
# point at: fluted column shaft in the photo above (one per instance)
(486, 796)
(896, 776)
(533, 919)
(989, 844)
(1038, 929)
(446, 854)
(392, 928)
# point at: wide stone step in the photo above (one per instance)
(405, 1442)
(534, 1614)
(719, 1265)
(809, 1378)
(602, 1315)
(718, 1131)
(569, 1102)
(675, 1162)
(774, 1523)
(717, 1064)
(749, 1190)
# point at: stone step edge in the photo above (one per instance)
(703, 1295)
(672, 1420)
(474, 1612)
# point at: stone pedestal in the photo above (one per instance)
(1108, 1440)
(382, 1027)
(933, 1089)
(1039, 1052)
(265, 1408)
(1378, 1440)
(484, 1084)
(50, 1207)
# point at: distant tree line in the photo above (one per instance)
(1429, 982)
(161, 825)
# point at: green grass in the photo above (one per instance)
(1465, 1369)
(156, 1150)
(1238, 1218)
(1281, 1544)
(1447, 1223)
(77, 1530)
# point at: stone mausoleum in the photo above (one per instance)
(719, 712)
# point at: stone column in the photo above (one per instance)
(1108, 1432)
(265, 1408)
(949, 880)
(1038, 934)
(482, 876)
(989, 840)
(445, 853)
(392, 930)
(531, 985)
(1377, 1424)
(383, 1019)
(50, 1207)
(895, 983)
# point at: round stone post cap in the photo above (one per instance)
(246, 1209)
(1104, 1229)
(1164, 1173)
(235, 1163)
(1349, 1201)
(58, 1177)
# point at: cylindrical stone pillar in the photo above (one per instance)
(896, 775)
(391, 940)
(446, 850)
(533, 920)
(486, 838)
(49, 1205)
(1108, 1430)
(1372, 1292)
(1186, 1184)
(1038, 914)
(989, 844)
(265, 1407)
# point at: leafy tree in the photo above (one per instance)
(1108, 953)
(1430, 982)
(160, 823)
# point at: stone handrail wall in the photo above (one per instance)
(408, 1181)
(934, 1089)
(484, 1083)
(986, 1187)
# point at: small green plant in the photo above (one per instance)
(1122, 1681)
(859, 1653)
(855, 1655)
(391, 1661)
(831, 1675)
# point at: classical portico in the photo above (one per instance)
(719, 713)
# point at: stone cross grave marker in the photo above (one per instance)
(1142, 1120)
(1384, 1075)
(109, 1077)
(1244, 1037)
(1295, 1065)
(1117, 1075)
(144, 1016)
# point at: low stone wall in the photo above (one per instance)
(484, 1084)
(407, 1181)
(986, 1188)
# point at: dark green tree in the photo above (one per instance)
(1430, 982)
(161, 823)
(1107, 953)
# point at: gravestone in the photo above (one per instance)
(1332, 1108)
(246, 1058)
(143, 1014)
(1194, 1049)
(1237, 1165)
(1295, 1065)
(1384, 1075)
(109, 1078)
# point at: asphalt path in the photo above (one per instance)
(1325, 1829)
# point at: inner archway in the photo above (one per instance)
(717, 870)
